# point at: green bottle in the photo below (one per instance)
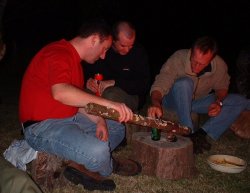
(155, 134)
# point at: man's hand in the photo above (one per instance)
(125, 113)
(103, 84)
(92, 85)
(214, 109)
(155, 111)
(101, 126)
(102, 130)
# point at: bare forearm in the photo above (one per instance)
(221, 94)
(156, 98)
(215, 107)
(155, 109)
(70, 95)
(73, 96)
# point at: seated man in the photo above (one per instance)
(125, 69)
(52, 111)
(196, 80)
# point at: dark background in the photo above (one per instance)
(162, 26)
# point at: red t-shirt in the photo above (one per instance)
(57, 62)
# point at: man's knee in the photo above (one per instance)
(236, 99)
(112, 93)
(99, 154)
(184, 83)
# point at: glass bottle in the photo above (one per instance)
(155, 134)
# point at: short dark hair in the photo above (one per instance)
(91, 27)
(206, 44)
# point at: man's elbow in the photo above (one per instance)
(57, 92)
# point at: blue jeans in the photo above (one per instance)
(180, 100)
(74, 139)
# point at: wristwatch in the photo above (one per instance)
(219, 103)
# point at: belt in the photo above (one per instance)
(29, 123)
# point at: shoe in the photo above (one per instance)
(45, 169)
(121, 146)
(78, 174)
(200, 142)
(126, 167)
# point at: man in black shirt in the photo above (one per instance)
(125, 69)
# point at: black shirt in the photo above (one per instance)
(130, 71)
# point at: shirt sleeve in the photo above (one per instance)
(170, 70)
(59, 69)
(223, 78)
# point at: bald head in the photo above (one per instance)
(123, 37)
(124, 27)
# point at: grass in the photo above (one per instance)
(207, 179)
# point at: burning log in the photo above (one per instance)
(171, 128)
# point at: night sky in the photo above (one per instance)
(162, 26)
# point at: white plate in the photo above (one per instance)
(227, 163)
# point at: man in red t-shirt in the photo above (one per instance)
(52, 104)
